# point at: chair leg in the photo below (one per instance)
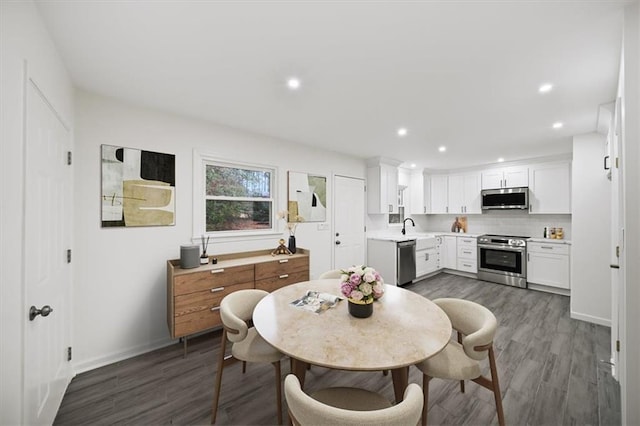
(425, 391)
(461, 381)
(496, 386)
(216, 393)
(278, 390)
(244, 367)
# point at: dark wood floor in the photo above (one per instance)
(550, 370)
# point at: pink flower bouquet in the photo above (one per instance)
(361, 284)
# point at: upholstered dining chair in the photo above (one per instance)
(350, 406)
(334, 273)
(236, 311)
(476, 327)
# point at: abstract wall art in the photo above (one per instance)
(138, 187)
(307, 197)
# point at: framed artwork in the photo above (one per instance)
(138, 187)
(307, 197)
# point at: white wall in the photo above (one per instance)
(591, 228)
(120, 273)
(23, 37)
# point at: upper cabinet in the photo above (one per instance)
(550, 188)
(382, 186)
(439, 194)
(464, 193)
(508, 177)
(420, 188)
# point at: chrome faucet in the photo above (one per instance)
(404, 222)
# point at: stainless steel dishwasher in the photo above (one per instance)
(406, 261)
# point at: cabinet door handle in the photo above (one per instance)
(505, 183)
(467, 265)
(283, 260)
(547, 247)
(217, 271)
(500, 183)
(216, 308)
(390, 208)
(426, 257)
(284, 276)
(217, 289)
(606, 163)
(424, 209)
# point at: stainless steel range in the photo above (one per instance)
(503, 259)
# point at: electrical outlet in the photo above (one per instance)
(323, 227)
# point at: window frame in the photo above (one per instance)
(200, 162)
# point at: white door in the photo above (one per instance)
(349, 235)
(47, 273)
(616, 238)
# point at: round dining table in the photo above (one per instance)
(404, 329)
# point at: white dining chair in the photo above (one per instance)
(334, 273)
(236, 311)
(350, 406)
(460, 360)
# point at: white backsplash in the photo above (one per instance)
(511, 222)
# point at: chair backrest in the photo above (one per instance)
(474, 321)
(308, 411)
(236, 309)
(334, 273)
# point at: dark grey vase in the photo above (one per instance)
(292, 243)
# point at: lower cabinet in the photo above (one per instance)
(426, 257)
(548, 264)
(194, 295)
(467, 255)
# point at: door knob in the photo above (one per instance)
(337, 234)
(34, 312)
(337, 242)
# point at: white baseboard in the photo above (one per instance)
(101, 361)
(591, 318)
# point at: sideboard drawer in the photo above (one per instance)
(197, 321)
(281, 266)
(206, 299)
(214, 278)
(274, 283)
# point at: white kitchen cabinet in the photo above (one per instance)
(464, 193)
(420, 189)
(382, 188)
(550, 188)
(426, 256)
(549, 264)
(449, 252)
(439, 193)
(507, 177)
(467, 254)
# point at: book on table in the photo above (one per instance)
(316, 301)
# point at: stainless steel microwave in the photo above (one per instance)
(505, 198)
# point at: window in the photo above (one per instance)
(238, 198)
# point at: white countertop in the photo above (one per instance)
(397, 236)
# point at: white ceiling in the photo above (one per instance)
(464, 74)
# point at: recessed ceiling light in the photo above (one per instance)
(546, 87)
(413, 165)
(293, 83)
(402, 131)
(500, 160)
(442, 149)
(557, 125)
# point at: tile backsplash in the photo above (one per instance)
(509, 222)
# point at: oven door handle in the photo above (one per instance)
(502, 247)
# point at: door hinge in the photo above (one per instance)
(69, 158)
(617, 166)
(68, 255)
(617, 345)
(617, 251)
(69, 353)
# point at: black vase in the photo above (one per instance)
(360, 310)
(292, 243)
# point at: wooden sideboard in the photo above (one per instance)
(194, 295)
